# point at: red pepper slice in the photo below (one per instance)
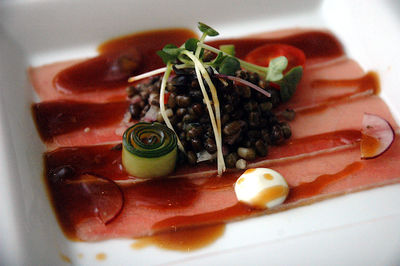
(262, 55)
(166, 97)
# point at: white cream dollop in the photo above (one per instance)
(261, 188)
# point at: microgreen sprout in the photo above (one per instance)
(190, 55)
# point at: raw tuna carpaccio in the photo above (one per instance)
(73, 123)
(306, 98)
(322, 159)
(139, 50)
(204, 200)
(42, 79)
(108, 161)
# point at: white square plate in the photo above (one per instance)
(361, 228)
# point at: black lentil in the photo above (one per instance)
(232, 128)
(261, 148)
(241, 164)
(246, 153)
(249, 125)
(135, 111)
(231, 159)
(192, 158)
(210, 145)
(287, 132)
(198, 109)
(183, 101)
(288, 114)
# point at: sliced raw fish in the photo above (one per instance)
(167, 204)
(71, 123)
(339, 116)
(105, 160)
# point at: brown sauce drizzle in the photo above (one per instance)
(135, 54)
(335, 136)
(313, 43)
(60, 117)
(118, 60)
(369, 145)
(213, 217)
(65, 258)
(186, 239)
(105, 160)
(106, 71)
(165, 194)
(98, 159)
(101, 256)
(368, 82)
(315, 187)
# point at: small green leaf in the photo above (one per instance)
(218, 60)
(228, 49)
(184, 59)
(229, 66)
(276, 67)
(172, 50)
(191, 44)
(166, 57)
(207, 29)
(170, 53)
(289, 83)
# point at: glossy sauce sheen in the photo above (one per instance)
(313, 43)
(118, 60)
(370, 145)
(105, 160)
(108, 71)
(60, 117)
(314, 188)
(186, 239)
(131, 55)
(163, 195)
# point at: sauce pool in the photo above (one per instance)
(186, 239)
(118, 60)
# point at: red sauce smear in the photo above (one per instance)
(206, 218)
(313, 43)
(315, 187)
(165, 194)
(135, 54)
(98, 159)
(367, 83)
(183, 239)
(60, 117)
(369, 145)
(118, 60)
(105, 160)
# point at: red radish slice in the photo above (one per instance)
(377, 136)
(245, 82)
(105, 196)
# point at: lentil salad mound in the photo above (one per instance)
(247, 129)
(249, 125)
